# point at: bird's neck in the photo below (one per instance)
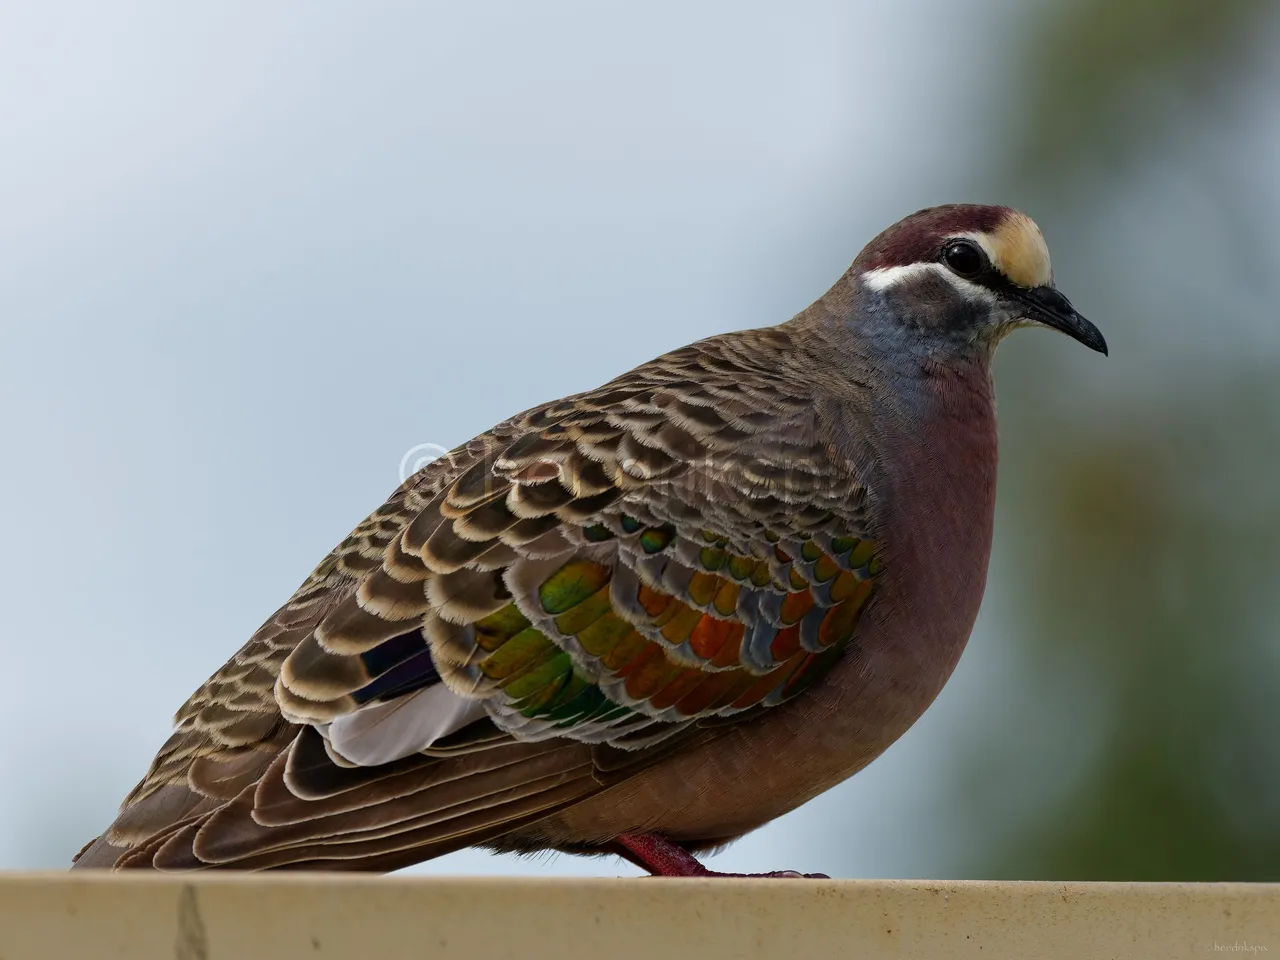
(936, 510)
(937, 435)
(915, 418)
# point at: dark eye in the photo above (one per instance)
(964, 258)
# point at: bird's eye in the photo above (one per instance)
(964, 258)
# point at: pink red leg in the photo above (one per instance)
(663, 858)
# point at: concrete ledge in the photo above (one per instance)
(243, 917)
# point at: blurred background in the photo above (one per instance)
(253, 255)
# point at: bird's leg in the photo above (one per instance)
(663, 858)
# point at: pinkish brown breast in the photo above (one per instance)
(935, 526)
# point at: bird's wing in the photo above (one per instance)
(589, 579)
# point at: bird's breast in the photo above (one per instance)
(935, 516)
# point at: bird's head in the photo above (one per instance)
(958, 278)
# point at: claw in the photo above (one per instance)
(664, 858)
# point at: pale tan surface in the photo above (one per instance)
(57, 916)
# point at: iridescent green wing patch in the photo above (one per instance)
(675, 657)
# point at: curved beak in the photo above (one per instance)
(1047, 306)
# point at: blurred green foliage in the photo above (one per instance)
(1102, 77)
(1148, 576)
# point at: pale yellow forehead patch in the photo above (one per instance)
(1017, 249)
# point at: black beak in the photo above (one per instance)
(1051, 308)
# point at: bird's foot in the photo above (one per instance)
(772, 874)
(663, 858)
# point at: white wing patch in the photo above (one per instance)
(382, 732)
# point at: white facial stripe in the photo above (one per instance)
(886, 278)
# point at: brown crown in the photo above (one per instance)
(919, 237)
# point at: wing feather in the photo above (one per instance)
(598, 578)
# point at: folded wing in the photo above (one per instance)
(604, 573)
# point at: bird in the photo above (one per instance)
(642, 620)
